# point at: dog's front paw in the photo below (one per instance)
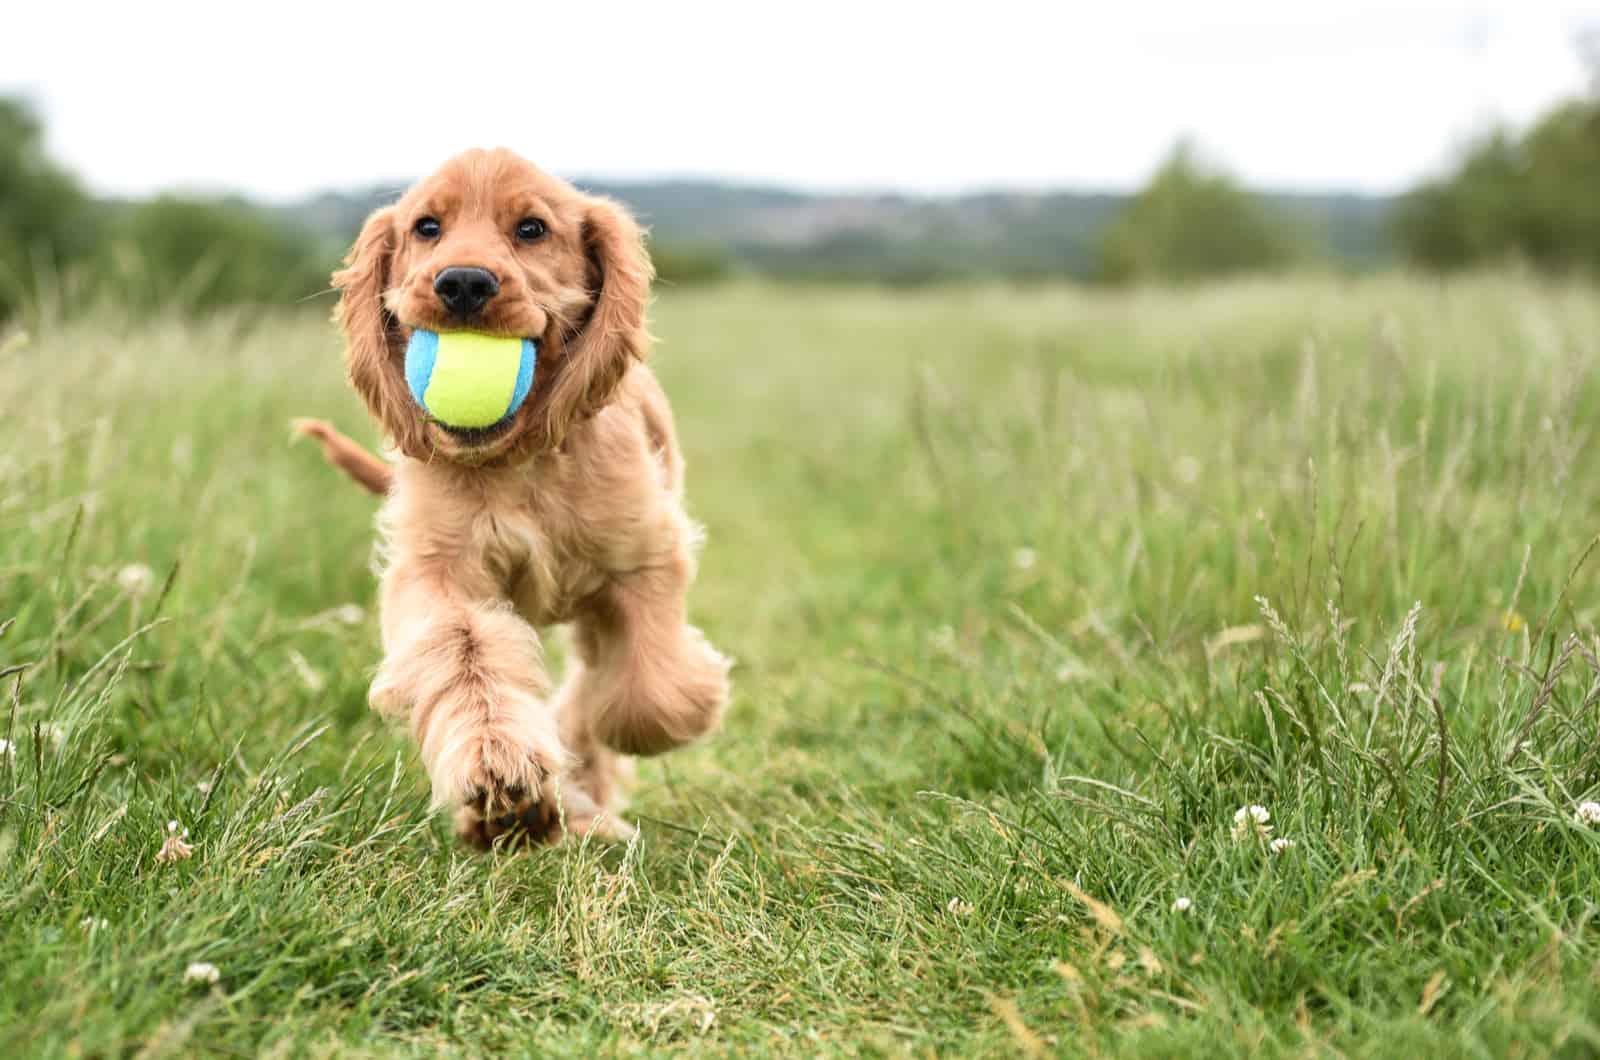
(504, 785)
(494, 759)
(562, 810)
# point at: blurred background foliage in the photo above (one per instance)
(47, 221)
(1191, 222)
(1534, 197)
(1526, 196)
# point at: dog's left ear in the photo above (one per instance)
(614, 337)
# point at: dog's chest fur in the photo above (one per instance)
(547, 534)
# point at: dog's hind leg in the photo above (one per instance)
(596, 771)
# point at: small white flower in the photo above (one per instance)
(176, 846)
(958, 907)
(204, 787)
(91, 924)
(201, 972)
(136, 579)
(1024, 558)
(1588, 813)
(7, 748)
(1280, 844)
(1251, 821)
(1182, 904)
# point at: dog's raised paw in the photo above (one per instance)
(519, 811)
(511, 816)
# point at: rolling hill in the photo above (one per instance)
(898, 238)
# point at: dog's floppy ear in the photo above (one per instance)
(373, 354)
(597, 357)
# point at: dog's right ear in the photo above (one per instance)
(374, 354)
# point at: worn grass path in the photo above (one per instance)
(1031, 592)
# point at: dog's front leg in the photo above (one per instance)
(645, 681)
(467, 673)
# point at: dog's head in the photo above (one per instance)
(490, 243)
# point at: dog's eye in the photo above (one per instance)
(529, 229)
(427, 227)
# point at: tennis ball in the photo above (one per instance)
(467, 380)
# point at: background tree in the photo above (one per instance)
(187, 253)
(1191, 222)
(47, 221)
(1533, 197)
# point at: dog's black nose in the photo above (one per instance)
(465, 289)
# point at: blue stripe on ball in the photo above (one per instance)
(530, 358)
(420, 355)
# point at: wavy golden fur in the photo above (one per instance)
(572, 512)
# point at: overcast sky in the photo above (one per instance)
(278, 100)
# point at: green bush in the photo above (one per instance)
(1191, 222)
(201, 254)
(1532, 197)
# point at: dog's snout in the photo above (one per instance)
(465, 289)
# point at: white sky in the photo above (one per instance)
(281, 100)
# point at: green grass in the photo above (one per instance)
(990, 562)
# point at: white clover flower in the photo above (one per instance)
(136, 579)
(176, 846)
(1280, 844)
(958, 907)
(201, 972)
(1588, 812)
(1251, 821)
(1182, 904)
(1024, 558)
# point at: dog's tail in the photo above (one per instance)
(347, 455)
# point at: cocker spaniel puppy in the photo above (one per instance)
(569, 511)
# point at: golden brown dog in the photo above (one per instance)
(571, 512)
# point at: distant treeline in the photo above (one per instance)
(1534, 197)
(1527, 196)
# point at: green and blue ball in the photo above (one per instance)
(468, 380)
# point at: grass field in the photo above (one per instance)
(1030, 591)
